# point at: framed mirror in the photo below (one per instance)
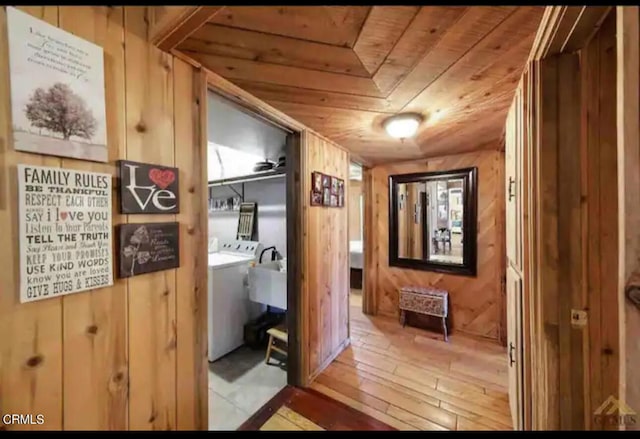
(433, 221)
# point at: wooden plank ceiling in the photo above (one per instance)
(342, 70)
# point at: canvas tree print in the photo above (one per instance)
(57, 90)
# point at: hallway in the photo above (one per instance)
(411, 379)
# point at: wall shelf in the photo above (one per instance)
(264, 175)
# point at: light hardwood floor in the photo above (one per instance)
(288, 419)
(295, 408)
(411, 379)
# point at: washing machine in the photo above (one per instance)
(229, 307)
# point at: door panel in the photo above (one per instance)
(513, 152)
(514, 345)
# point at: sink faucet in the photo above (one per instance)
(273, 253)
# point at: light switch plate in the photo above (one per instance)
(578, 317)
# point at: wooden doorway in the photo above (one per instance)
(561, 186)
(289, 236)
(294, 238)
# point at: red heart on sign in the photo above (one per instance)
(63, 215)
(162, 178)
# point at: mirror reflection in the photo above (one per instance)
(430, 220)
(433, 221)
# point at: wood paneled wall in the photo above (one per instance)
(130, 356)
(571, 219)
(599, 181)
(628, 114)
(355, 219)
(325, 301)
(476, 302)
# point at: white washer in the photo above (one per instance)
(229, 304)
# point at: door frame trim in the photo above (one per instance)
(563, 30)
(294, 215)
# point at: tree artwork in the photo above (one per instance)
(60, 110)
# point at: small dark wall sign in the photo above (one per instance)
(146, 188)
(147, 247)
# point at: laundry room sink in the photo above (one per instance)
(268, 285)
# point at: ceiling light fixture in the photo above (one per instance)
(402, 126)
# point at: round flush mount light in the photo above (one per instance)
(402, 126)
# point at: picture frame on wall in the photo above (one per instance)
(147, 247)
(316, 198)
(147, 188)
(65, 77)
(326, 197)
(334, 185)
(327, 190)
(326, 181)
(55, 245)
(316, 182)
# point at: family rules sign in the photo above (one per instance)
(65, 231)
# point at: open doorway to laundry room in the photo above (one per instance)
(251, 164)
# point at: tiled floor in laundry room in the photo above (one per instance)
(239, 384)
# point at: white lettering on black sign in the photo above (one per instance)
(146, 188)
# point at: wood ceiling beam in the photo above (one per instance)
(179, 23)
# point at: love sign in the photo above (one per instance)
(146, 188)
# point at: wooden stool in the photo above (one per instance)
(424, 300)
(276, 334)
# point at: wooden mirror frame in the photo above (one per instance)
(469, 177)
